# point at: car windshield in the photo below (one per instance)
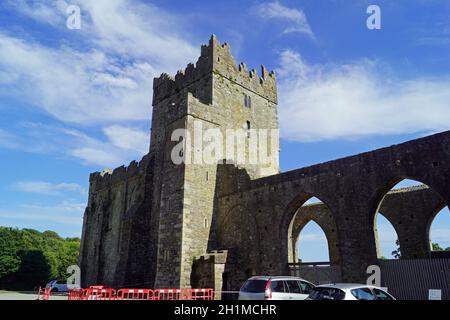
(254, 286)
(327, 294)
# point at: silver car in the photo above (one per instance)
(275, 288)
(348, 291)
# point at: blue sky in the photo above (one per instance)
(76, 101)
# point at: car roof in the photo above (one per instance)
(277, 278)
(346, 286)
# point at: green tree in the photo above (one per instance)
(29, 258)
(436, 247)
(34, 270)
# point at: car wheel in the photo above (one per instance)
(54, 289)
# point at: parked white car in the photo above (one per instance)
(61, 286)
(348, 291)
(275, 288)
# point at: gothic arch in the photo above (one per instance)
(410, 210)
(387, 186)
(294, 219)
(320, 214)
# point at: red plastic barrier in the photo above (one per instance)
(75, 294)
(136, 294)
(96, 293)
(202, 294)
(102, 293)
(92, 293)
(44, 294)
(186, 294)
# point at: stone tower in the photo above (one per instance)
(214, 94)
(146, 224)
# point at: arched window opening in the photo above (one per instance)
(388, 245)
(402, 222)
(440, 231)
(312, 233)
(313, 200)
(407, 183)
(312, 244)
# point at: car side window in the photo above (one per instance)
(293, 286)
(363, 294)
(306, 287)
(277, 286)
(381, 295)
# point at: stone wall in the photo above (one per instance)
(352, 188)
(160, 224)
(115, 248)
(211, 96)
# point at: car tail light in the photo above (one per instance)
(268, 291)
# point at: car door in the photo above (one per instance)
(295, 292)
(279, 290)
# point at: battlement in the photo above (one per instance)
(107, 178)
(215, 58)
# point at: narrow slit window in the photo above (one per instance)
(247, 101)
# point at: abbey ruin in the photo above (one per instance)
(157, 224)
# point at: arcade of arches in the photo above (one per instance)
(257, 222)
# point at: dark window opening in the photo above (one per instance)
(247, 101)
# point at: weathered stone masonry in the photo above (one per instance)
(158, 224)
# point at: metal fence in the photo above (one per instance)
(412, 279)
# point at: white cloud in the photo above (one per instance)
(48, 188)
(128, 138)
(96, 157)
(41, 11)
(7, 140)
(325, 102)
(97, 77)
(295, 17)
(125, 44)
(82, 87)
(119, 146)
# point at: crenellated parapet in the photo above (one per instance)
(263, 84)
(215, 58)
(102, 180)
